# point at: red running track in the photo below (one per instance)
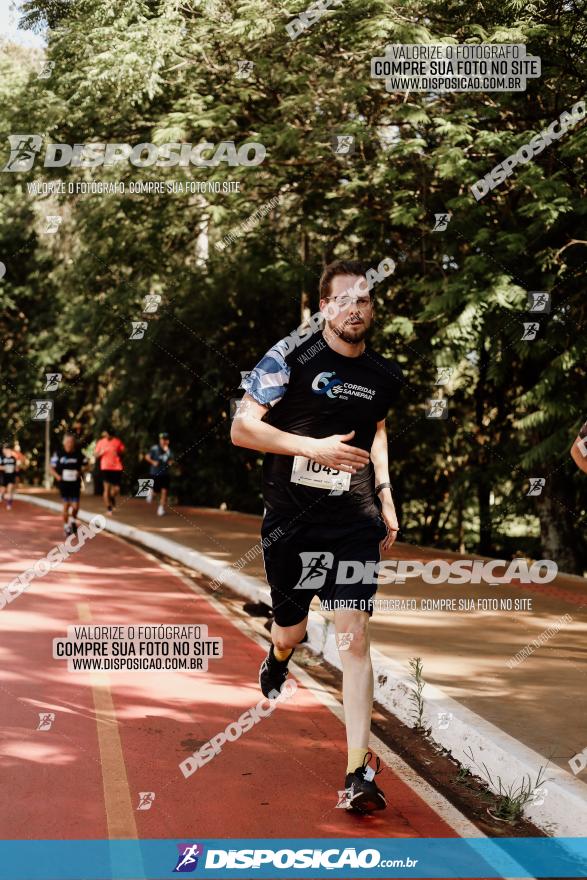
(121, 733)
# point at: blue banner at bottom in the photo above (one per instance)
(293, 857)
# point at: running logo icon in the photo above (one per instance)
(437, 408)
(52, 381)
(539, 301)
(52, 223)
(245, 69)
(343, 144)
(46, 720)
(187, 860)
(24, 149)
(343, 641)
(443, 375)
(46, 70)
(530, 331)
(146, 799)
(151, 303)
(324, 383)
(537, 484)
(315, 567)
(441, 222)
(138, 329)
(41, 410)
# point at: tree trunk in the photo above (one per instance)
(483, 496)
(305, 305)
(483, 483)
(555, 507)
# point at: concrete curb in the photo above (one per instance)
(561, 808)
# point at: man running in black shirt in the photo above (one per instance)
(317, 406)
(67, 468)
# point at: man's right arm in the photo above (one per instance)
(250, 431)
(149, 456)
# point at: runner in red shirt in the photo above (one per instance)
(109, 450)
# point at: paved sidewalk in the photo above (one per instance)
(540, 701)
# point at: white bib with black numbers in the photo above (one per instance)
(69, 476)
(311, 473)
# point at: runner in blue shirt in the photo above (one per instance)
(160, 458)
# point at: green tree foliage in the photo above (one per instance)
(158, 71)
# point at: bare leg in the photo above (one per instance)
(285, 638)
(357, 676)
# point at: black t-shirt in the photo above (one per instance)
(315, 392)
(69, 467)
(9, 464)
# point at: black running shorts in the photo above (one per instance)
(310, 560)
(160, 481)
(112, 477)
(70, 491)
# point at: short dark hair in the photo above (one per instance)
(339, 267)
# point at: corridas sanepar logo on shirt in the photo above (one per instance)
(328, 383)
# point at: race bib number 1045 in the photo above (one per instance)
(312, 473)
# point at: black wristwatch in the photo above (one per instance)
(381, 486)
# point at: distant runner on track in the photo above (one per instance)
(160, 459)
(109, 450)
(9, 462)
(317, 407)
(67, 467)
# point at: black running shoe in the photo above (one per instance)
(272, 674)
(362, 793)
(74, 527)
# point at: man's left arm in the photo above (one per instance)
(380, 461)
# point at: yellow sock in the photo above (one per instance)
(356, 758)
(282, 655)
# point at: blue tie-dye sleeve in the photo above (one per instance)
(267, 382)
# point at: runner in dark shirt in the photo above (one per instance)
(67, 468)
(316, 404)
(160, 458)
(10, 460)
